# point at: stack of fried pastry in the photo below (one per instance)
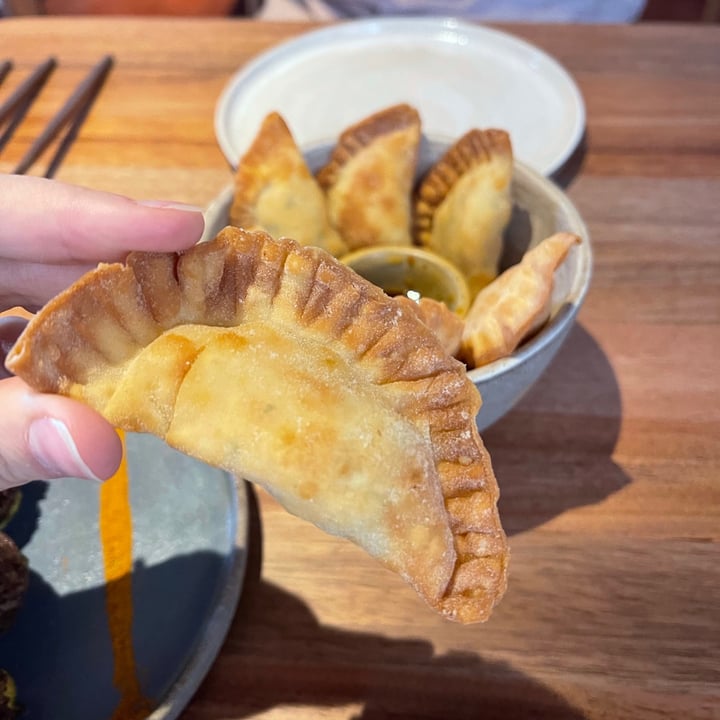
(366, 194)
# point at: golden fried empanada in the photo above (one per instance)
(283, 366)
(463, 204)
(515, 305)
(446, 325)
(369, 177)
(276, 192)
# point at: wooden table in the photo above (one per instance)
(609, 469)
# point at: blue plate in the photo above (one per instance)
(189, 550)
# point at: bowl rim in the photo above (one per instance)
(370, 27)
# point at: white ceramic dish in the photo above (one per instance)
(457, 75)
(540, 209)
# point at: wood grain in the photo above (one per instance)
(609, 468)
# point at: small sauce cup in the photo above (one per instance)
(411, 271)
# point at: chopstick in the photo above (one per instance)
(28, 89)
(75, 109)
(99, 76)
(16, 106)
(5, 68)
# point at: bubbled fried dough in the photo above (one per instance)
(446, 325)
(275, 191)
(369, 177)
(515, 305)
(281, 365)
(463, 204)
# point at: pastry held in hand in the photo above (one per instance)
(369, 177)
(283, 366)
(515, 305)
(275, 191)
(463, 204)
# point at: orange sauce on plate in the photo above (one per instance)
(116, 539)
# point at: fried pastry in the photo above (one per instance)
(447, 326)
(463, 204)
(283, 366)
(369, 177)
(515, 305)
(275, 191)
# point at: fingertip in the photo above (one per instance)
(97, 445)
(53, 447)
(165, 226)
(93, 453)
(49, 436)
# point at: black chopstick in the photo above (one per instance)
(76, 107)
(27, 90)
(17, 105)
(5, 68)
(105, 66)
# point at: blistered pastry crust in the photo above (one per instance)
(369, 177)
(82, 341)
(275, 191)
(463, 204)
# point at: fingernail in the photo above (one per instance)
(169, 205)
(53, 447)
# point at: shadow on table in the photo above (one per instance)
(280, 655)
(277, 653)
(571, 168)
(553, 451)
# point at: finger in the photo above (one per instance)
(49, 436)
(49, 221)
(31, 285)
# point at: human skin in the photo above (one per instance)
(50, 234)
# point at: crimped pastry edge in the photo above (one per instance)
(358, 136)
(473, 148)
(450, 400)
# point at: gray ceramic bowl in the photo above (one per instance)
(541, 208)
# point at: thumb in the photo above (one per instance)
(49, 436)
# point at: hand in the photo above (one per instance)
(50, 234)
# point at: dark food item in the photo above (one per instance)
(9, 503)
(10, 328)
(8, 707)
(14, 578)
